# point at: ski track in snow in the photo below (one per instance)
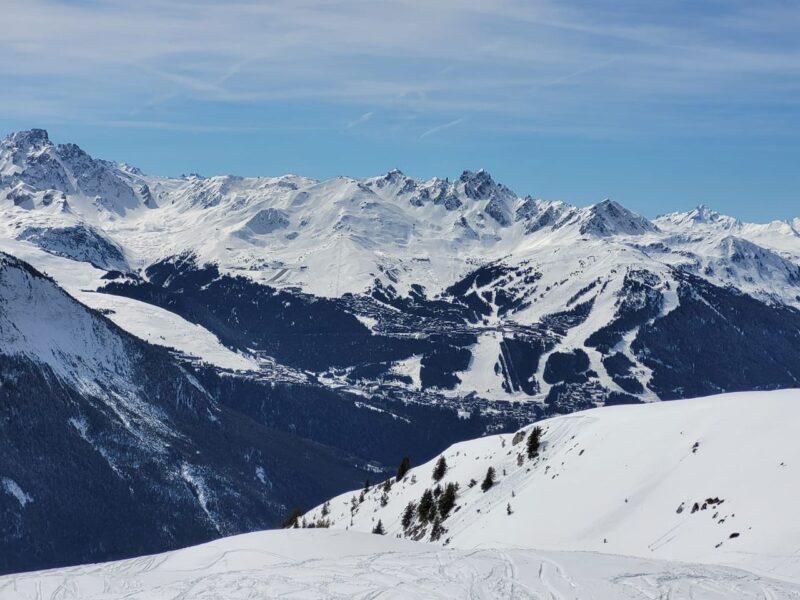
(329, 564)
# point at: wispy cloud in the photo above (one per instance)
(530, 62)
(442, 127)
(360, 120)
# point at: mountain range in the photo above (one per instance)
(193, 356)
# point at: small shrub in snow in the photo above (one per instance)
(378, 529)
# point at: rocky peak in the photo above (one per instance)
(32, 138)
(611, 218)
(478, 185)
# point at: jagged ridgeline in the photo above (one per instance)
(241, 347)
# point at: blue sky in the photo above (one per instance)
(661, 105)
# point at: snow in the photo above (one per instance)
(145, 321)
(164, 328)
(334, 236)
(624, 480)
(339, 236)
(12, 487)
(335, 564)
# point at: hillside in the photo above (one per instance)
(707, 480)
(111, 447)
(337, 325)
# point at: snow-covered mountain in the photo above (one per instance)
(507, 288)
(705, 480)
(356, 319)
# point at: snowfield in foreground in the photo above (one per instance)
(685, 499)
(337, 564)
(709, 480)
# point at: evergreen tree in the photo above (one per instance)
(405, 466)
(436, 529)
(378, 529)
(533, 442)
(293, 520)
(447, 500)
(440, 469)
(488, 480)
(425, 508)
(408, 515)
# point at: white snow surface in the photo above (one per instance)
(12, 487)
(336, 236)
(336, 564)
(623, 480)
(146, 321)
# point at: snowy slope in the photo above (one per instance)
(110, 447)
(146, 321)
(328, 564)
(708, 480)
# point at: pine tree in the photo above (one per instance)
(425, 508)
(448, 500)
(405, 466)
(436, 529)
(408, 514)
(293, 520)
(378, 529)
(533, 442)
(508, 509)
(440, 469)
(488, 480)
